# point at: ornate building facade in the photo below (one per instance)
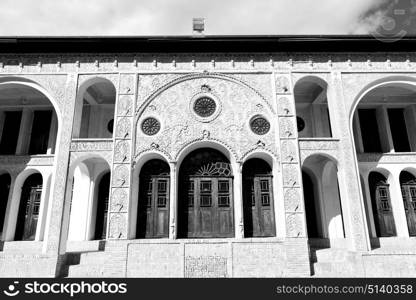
(207, 157)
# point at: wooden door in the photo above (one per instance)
(258, 207)
(209, 210)
(384, 211)
(409, 201)
(33, 197)
(153, 213)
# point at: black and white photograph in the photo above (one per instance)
(146, 146)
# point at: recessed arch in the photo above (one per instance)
(312, 112)
(322, 197)
(188, 77)
(205, 195)
(94, 109)
(258, 198)
(88, 191)
(408, 188)
(31, 118)
(381, 203)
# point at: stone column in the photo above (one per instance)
(238, 200)
(384, 130)
(7, 226)
(52, 134)
(173, 204)
(352, 201)
(397, 205)
(40, 229)
(2, 118)
(410, 117)
(290, 162)
(357, 134)
(56, 225)
(122, 168)
(23, 141)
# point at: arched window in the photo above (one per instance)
(408, 186)
(380, 200)
(28, 214)
(258, 199)
(205, 195)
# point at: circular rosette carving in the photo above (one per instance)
(124, 106)
(123, 128)
(122, 151)
(118, 226)
(259, 125)
(204, 107)
(119, 201)
(150, 126)
(121, 176)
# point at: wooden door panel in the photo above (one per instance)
(384, 212)
(409, 202)
(206, 222)
(225, 222)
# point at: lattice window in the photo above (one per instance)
(205, 190)
(260, 125)
(215, 169)
(191, 190)
(162, 193)
(223, 193)
(150, 126)
(205, 107)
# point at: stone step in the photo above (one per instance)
(22, 247)
(91, 270)
(328, 269)
(332, 255)
(93, 258)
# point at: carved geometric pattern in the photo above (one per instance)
(215, 169)
(282, 85)
(294, 225)
(150, 126)
(121, 176)
(124, 105)
(118, 226)
(260, 125)
(123, 128)
(290, 175)
(205, 107)
(292, 200)
(122, 151)
(285, 106)
(286, 127)
(119, 201)
(288, 150)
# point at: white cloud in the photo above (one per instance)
(173, 17)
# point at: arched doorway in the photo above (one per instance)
(205, 195)
(5, 181)
(381, 204)
(408, 187)
(89, 194)
(102, 207)
(153, 205)
(28, 214)
(258, 199)
(311, 209)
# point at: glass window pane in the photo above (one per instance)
(223, 201)
(206, 200)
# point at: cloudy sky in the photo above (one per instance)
(173, 17)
